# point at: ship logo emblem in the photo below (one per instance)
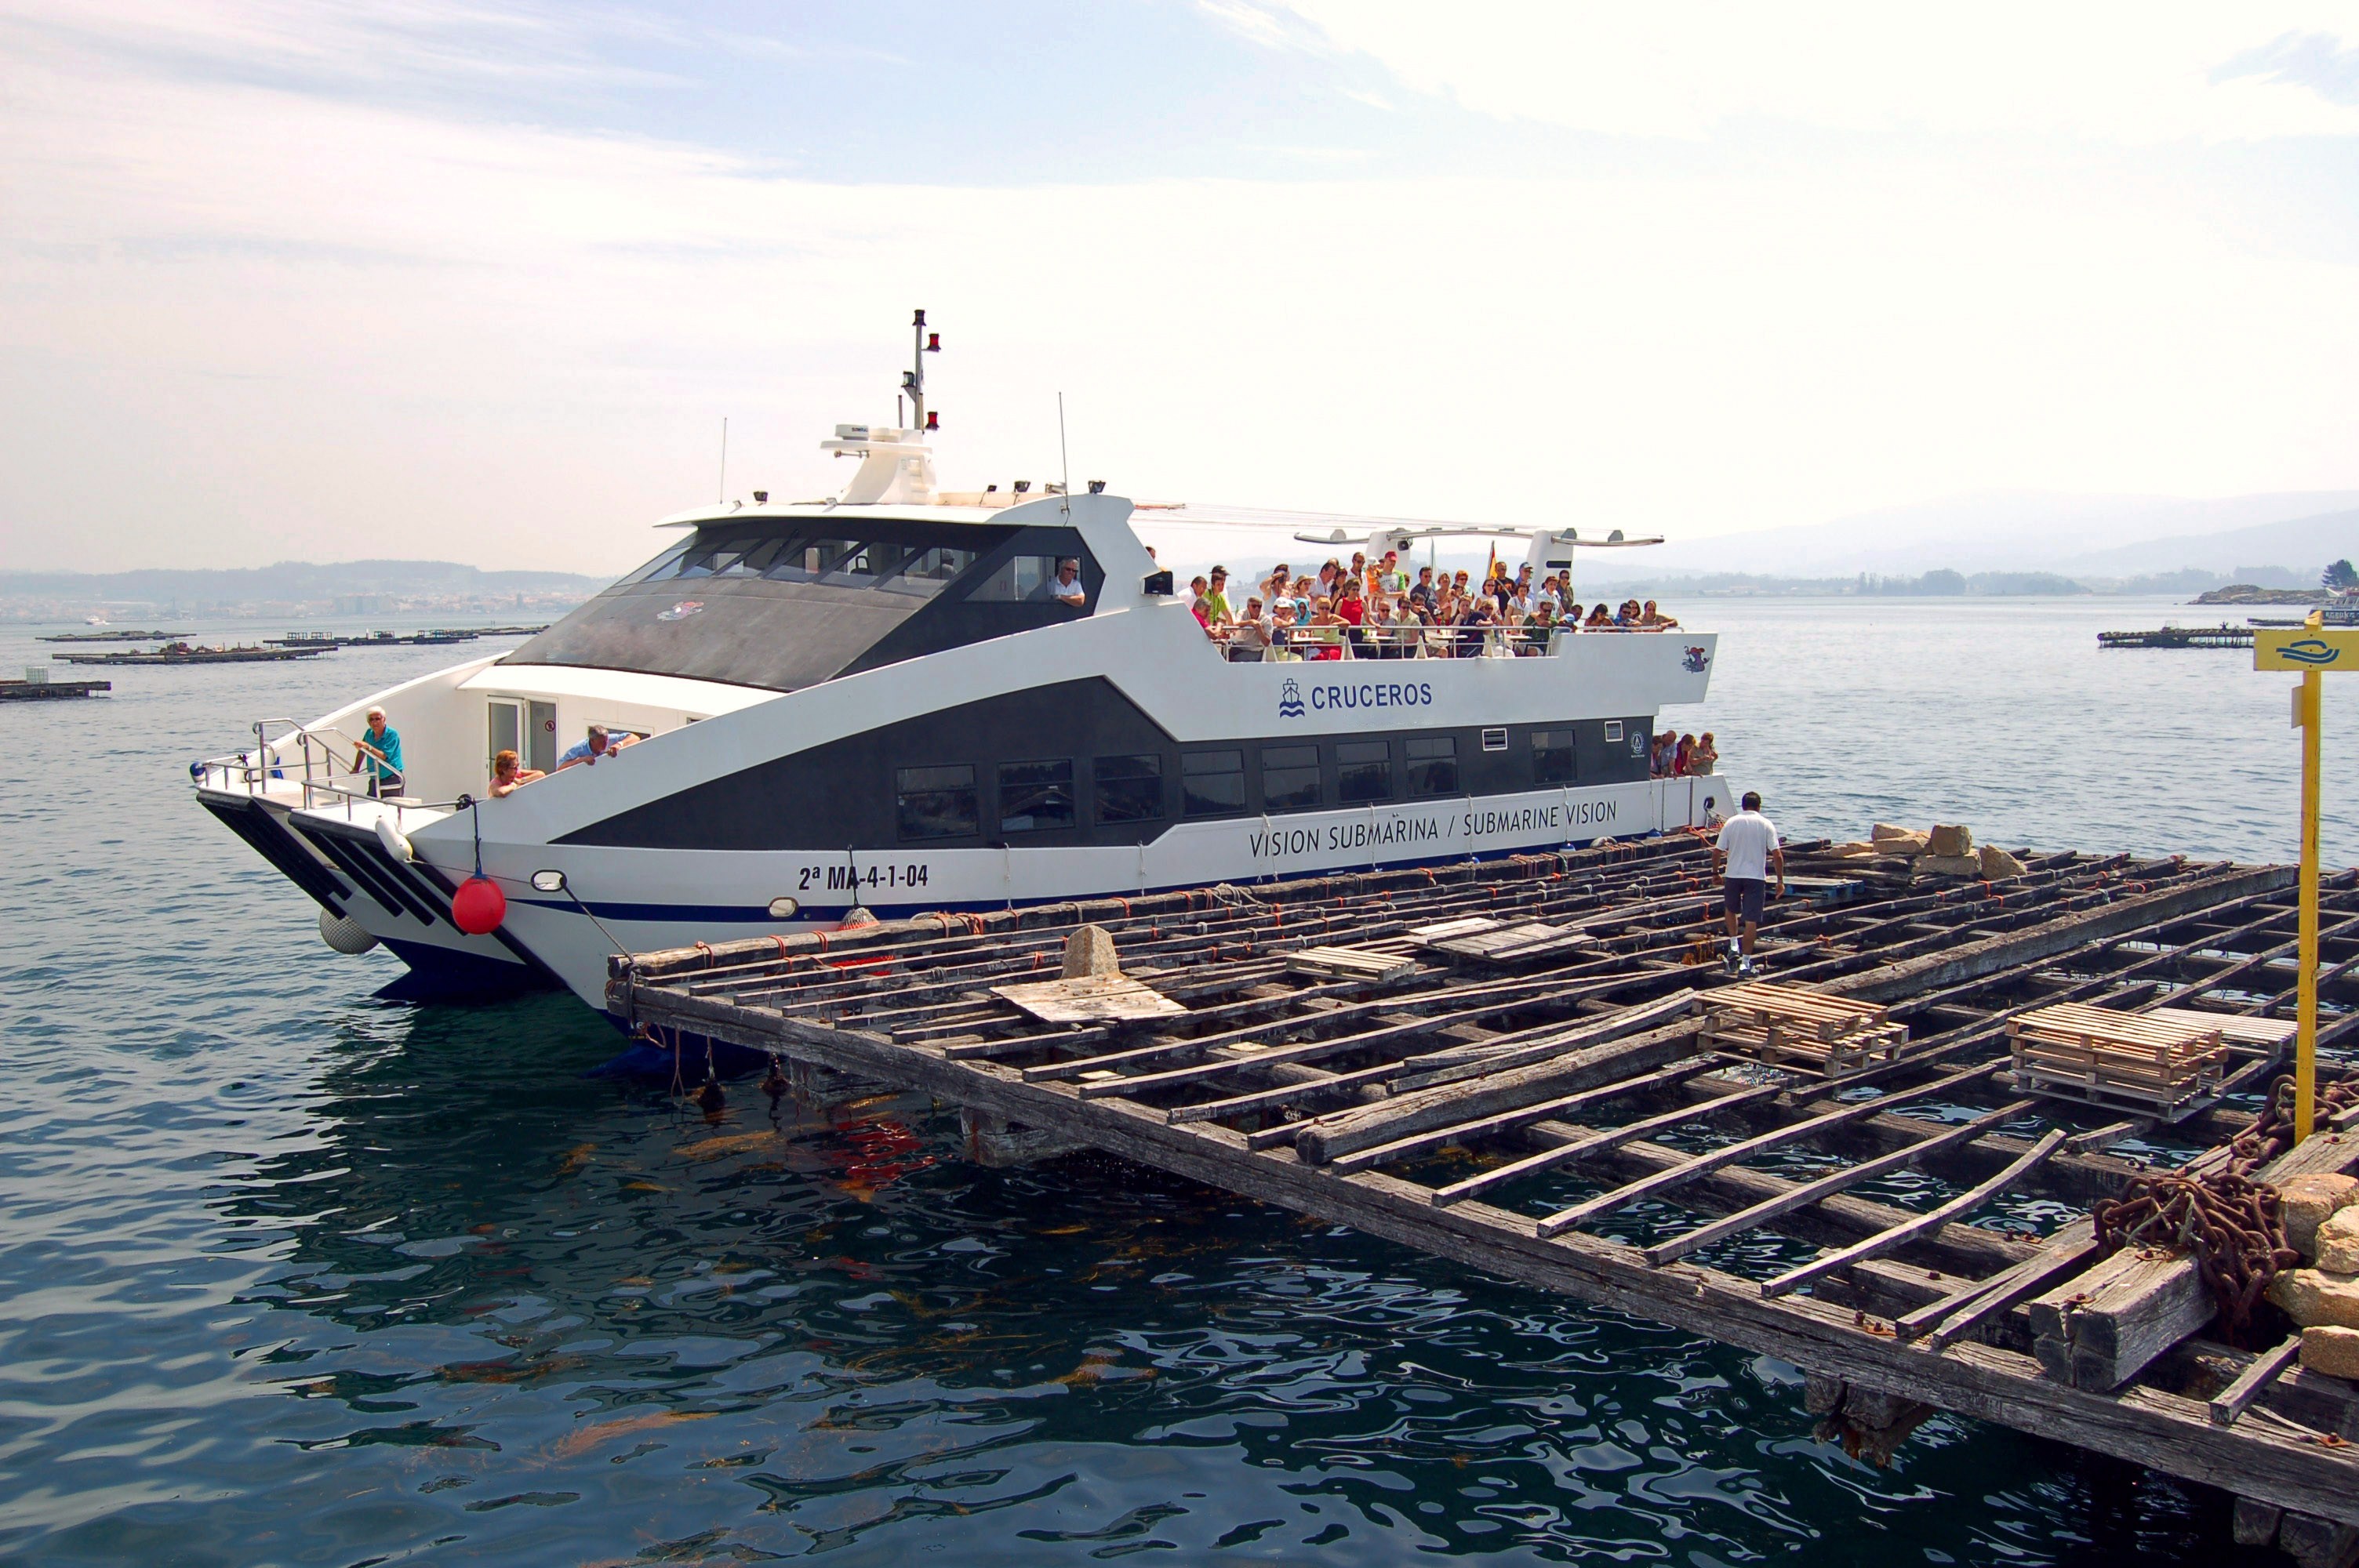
(2308, 651)
(1289, 700)
(682, 610)
(1697, 658)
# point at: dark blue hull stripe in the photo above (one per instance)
(759, 915)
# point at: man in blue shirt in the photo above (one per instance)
(592, 746)
(378, 756)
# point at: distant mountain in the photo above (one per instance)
(2302, 544)
(2102, 535)
(292, 581)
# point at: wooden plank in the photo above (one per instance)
(1953, 964)
(1811, 1192)
(1505, 1054)
(1899, 1235)
(1089, 999)
(1489, 1126)
(1352, 963)
(1363, 1128)
(1944, 1322)
(1747, 1149)
(2232, 1401)
(1598, 1142)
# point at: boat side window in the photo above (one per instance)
(662, 566)
(1364, 772)
(1034, 795)
(937, 803)
(1020, 580)
(926, 571)
(1433, 764)
(712, 559)
(1290, 777)
(1211, 784)
(1552, 757)
(1128, 789)
(807, 560)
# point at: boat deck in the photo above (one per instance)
(1539, 1069)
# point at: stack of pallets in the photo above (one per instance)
(2166, 1067)
(1785, 1024)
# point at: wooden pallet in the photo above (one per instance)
(1782, 1025)
(1351, 964)
(1089, 999)
(1480, 937)
(2168, 1067)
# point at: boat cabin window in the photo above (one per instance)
(1290, 777)
(785, 603)
(1129, 789)
(1364, 772)
(1020, 580)
(936, 803)
(1211, 784)
(1035, 795)
(1433, 764)
(1552, 757)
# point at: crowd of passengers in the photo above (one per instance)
(1677, 756)
(1372, 610)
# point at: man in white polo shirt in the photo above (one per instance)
(1746, 848)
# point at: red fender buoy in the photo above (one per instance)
(479, 906)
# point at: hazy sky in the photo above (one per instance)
(477, 280)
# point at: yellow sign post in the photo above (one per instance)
(2310, 650)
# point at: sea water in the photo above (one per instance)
(290, 1274)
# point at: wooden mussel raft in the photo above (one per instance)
(1594, 1118)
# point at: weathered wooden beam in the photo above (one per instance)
(1602, 1142)
(1340, 1133)
(1817, 1126)
(1769, 1210)
(1965, 1203)
(2051, 937)
(2232, 1401)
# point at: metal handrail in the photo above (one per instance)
(322, 769)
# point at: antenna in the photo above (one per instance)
(724, 460)
(913, 380)
(1063, 457)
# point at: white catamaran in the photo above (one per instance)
(887, 702)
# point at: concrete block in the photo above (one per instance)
(2338, 1242)
(1951, 841)
(1998, 863)
(2331, 1350)
(1948, 866)
(2311, 1297)
(1893, 840)
(1090, 951)
(2307, 1202)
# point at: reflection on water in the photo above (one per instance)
(290, 1275)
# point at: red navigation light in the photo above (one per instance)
(933, 343)
(933, 420)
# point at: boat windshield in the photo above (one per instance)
(785, 604)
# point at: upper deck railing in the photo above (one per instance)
(1249, 644)
(314, 771)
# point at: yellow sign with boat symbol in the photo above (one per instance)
(2300, 648)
